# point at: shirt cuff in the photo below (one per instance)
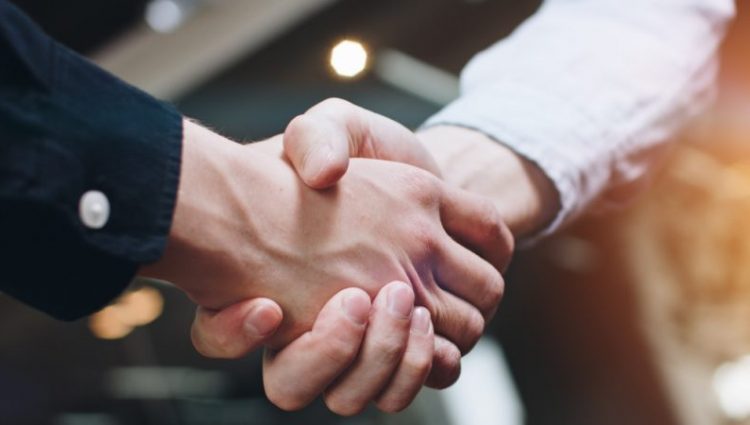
(90, 168)
(128, 146)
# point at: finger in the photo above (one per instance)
(467, 276)
(476, 223)
(320, 142)
(414, 367)
(235, 330)
(455, 319)
(318, 148)
(381, 353)
(298, 373)
(446, 364)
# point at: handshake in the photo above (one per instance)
(363, 278)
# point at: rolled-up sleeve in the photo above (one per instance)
(590, 90)
(70, 129)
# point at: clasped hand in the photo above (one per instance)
(291, 245)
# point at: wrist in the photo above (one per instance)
(522, 192)
(206, 215)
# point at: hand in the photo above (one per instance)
(336, 355)
(320, 143)
(184, 237)
(345, 130)
(247, 325)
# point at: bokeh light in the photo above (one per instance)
(732, 386)
(349, 58)
(133, 309)
(164, 16)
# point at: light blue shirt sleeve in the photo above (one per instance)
(591, 90)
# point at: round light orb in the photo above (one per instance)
(348, 58)
(164, 16)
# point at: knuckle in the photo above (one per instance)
(424, 236)
(438, 313)
(417, 367)
(446, 374)
(494, 292)
(473, 330)
(422, 186)
(495, 237)
(491, 223)
(509, 245)
(448, 319)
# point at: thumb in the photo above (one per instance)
(235, 330)
(320, 142)
(318, 148)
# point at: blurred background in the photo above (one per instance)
(638, 317)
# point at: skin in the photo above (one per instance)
(274, 238)
(525, 198)
(339, 337)
(319, 145)
(465, 158)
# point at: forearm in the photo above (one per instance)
(591, 91)
(525, 197)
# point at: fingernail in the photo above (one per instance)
(261, 321)
(420, 321)
(357, 308)
(400, 300)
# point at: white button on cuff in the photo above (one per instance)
(94, 209)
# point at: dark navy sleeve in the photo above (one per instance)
(68, 127)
